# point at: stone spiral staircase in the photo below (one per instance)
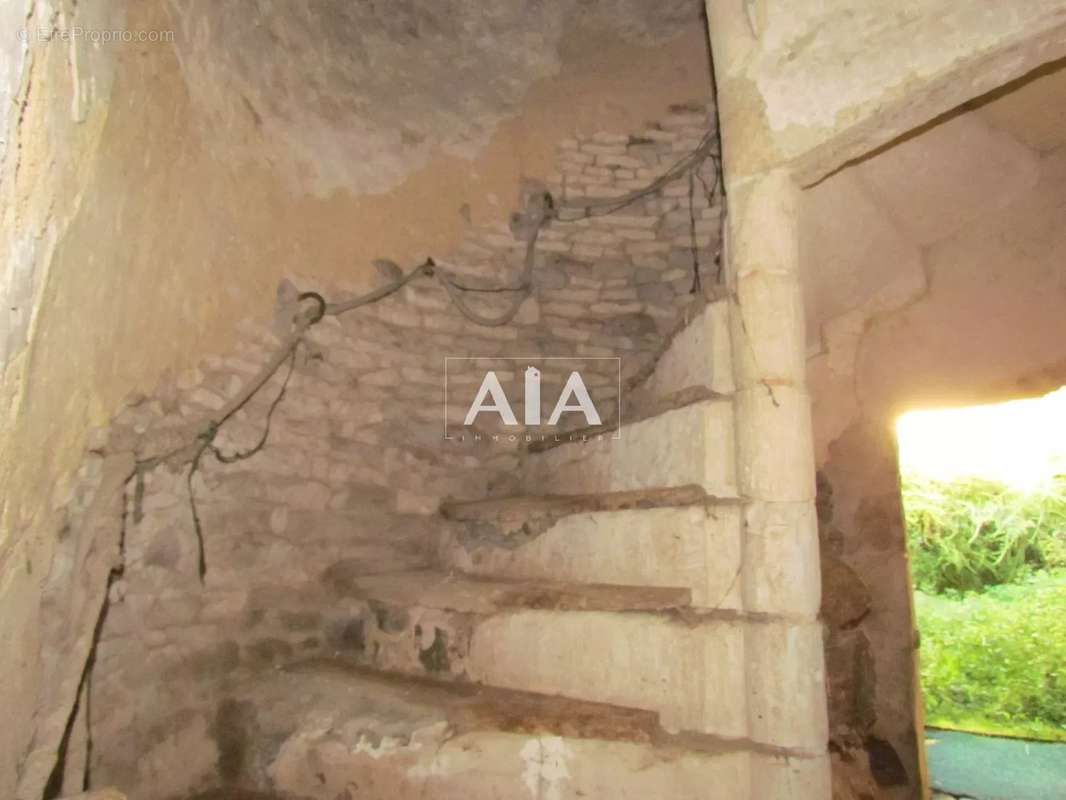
(617, 631)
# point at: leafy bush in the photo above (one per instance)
(993, 661)
(969, 534)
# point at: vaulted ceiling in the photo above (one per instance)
(869, 229)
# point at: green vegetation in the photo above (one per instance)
(970, 534)
(994, 662)
(989, 564)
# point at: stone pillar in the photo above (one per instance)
(780, 579)
(775, 451)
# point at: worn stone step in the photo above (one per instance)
(698, 353)
(688, 446)
(640, 647)
(470, 595)
(693, 364)
(517, 508)
(324, 730)
(655, 407)
(676, 537)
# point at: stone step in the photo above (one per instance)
(688, 446)
(697, 354)
(518, 508)
(323, 730)
(694, 363)
(675, 537)
(679, 399)
(640, 647)
(440, 591)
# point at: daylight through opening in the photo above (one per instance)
(984, 495)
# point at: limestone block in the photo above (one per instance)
(614, 149)
(770, 322)
(692, 675)
(647, 248)
(777, 777)
(636, 234)
(786, 685)
(697, 547)
(701, 240)
(657, 134)
(699, 355)
(646, 455)
(574, 310)
(763, 231)
(587, 252)
(485, 765)
(620, 293)
(595, 237)
(606, 769)
(628, 221)
(774, 446)
(781, 561)
(575, 157)
(619, 161)
(528, 312)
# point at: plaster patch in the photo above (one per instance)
(385, 746)
(546, 773)
(440, 764)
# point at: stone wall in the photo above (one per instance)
(355, 466)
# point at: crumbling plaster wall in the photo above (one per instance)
(147, 212)
(933, 274)
(52, 117)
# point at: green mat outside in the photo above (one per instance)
(994, 768)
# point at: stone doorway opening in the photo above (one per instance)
(930, 268)
(984, 500)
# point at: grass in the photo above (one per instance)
(994, 662)
(989, 566)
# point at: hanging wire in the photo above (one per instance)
(564, 210)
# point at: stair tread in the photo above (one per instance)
(687, 317)
(519, 506)
(415, 701)
(470, 707)
(645, 455)
(467, 594)
(333, 726)
(675, 400)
